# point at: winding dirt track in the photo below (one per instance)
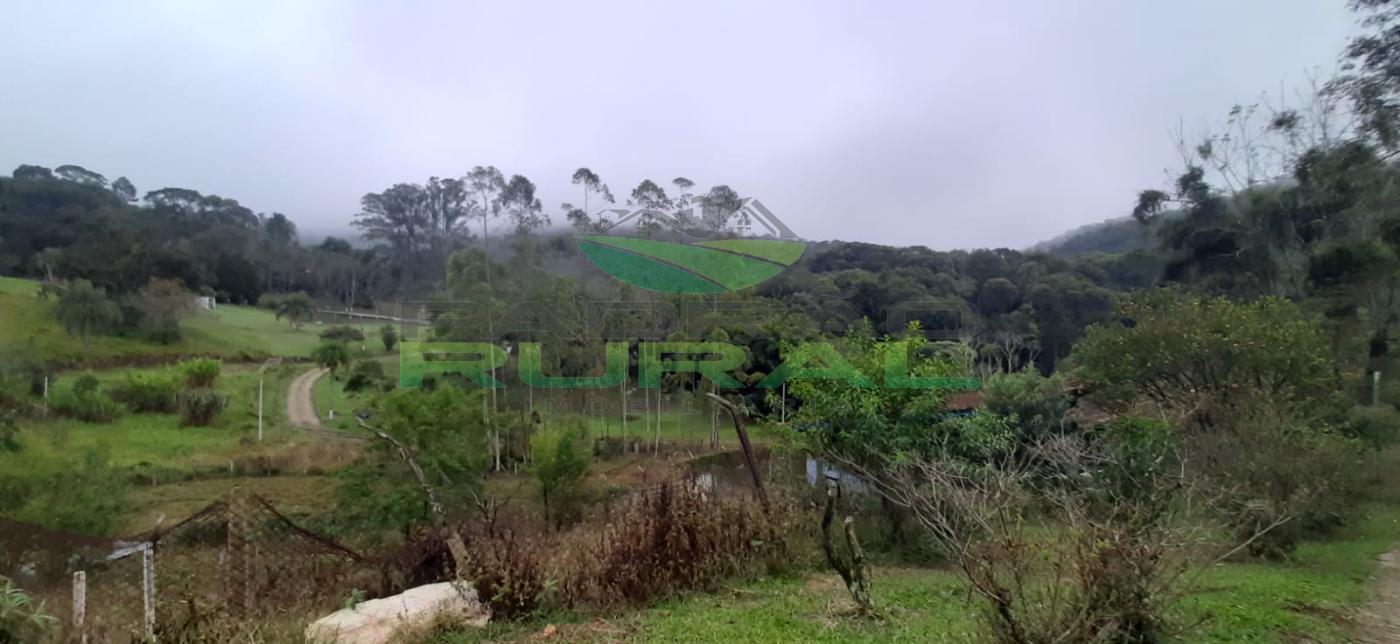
(301, 409)
(1379, 621)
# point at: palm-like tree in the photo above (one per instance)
(331, 355)
(84, 308)
(296, 308)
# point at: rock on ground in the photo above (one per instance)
(378, 621)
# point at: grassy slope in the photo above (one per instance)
(230, 331)
(184, 468)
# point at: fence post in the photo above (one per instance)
(148, 589)
(80, 605)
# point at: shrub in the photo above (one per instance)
(201, 372)
(199, 407)
(161, 332)
(93, 408)
(22, 374)
(9, 435)
(674, 537)
(1296, 482)
(561, 463)
(1377, 426)
(1215, 359)
(389, 336)
(331, 355)
(1038, 403)
(508, 576)
(271, 301)
(86, 402)
(86, 385)
(21, 618)
(343, 333)
(1086, 541)
(366, 374)
(85, 495)
(161, 304)
(148, 392)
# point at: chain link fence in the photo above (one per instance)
(236, 562)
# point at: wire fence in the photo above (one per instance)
(235, 561)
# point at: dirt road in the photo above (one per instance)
(1379, 621)
(301, 408)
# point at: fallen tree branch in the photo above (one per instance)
(455, 544)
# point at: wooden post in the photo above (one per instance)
(148, 589)
(80, 605)
(784, 395)
(260, 405)
(735, 413)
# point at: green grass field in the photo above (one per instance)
(177, 470)
(232, 332)
(157, 439)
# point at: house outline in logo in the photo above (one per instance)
(750, 210)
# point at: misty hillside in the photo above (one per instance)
(1121, 235)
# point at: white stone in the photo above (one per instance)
(377, 621)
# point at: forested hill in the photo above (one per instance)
(69, 225)
(1121, 235)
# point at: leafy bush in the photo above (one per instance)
(389, 336)
(86, 384)
(1037, 403)
(1296, 482)
(1212, 358)
(365, 375)
(271, 301)
(161, 331)
(199, 407)
(86, 402)
(21, 618)
(1377, 426)
(1083, 542)
(22, 374)
(9, 433)
(331, 355)
(85, 495)
(342, 333)
(148, 392)
(561, 463)
(161, 304)
(201, 372)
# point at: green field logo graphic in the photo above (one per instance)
(712, 266)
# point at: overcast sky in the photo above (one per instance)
(948, 124)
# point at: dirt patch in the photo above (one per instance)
(1379, 621)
